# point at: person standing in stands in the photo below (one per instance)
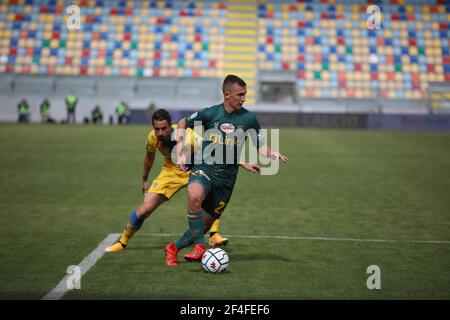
(71, 104)
(45, 111)
(24, 111)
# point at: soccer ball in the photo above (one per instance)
(215, 260)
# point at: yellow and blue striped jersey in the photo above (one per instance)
(165, 147)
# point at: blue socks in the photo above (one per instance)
(135, 221)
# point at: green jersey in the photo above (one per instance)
(71, 101)
(45, 108)
(97, 113)
(223, 138)
(121, 109)
(23, 108)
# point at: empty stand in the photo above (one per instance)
(336, 55)
(326, 44)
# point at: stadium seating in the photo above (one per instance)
(326, 43)
(335, 55)
(120, 38)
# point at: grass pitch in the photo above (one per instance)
(63, 189)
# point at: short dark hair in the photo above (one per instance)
(160, 115)
(230, 80)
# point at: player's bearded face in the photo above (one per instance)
(236, 96)
(162, 129)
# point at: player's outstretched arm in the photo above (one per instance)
(251, 167)
(266, 152)
(148, 163)
(181, 132)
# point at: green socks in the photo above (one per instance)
(195, 232)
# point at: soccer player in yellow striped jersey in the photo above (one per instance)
(169, 181)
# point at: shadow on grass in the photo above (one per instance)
(147, 247)
(234, 257)
(262, 256)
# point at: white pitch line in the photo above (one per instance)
(312, 238)
(61, 288)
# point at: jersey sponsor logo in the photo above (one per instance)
(193, 115)
(155, 185)
(227, 127)
(215, 138)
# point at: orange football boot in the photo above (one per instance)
(197, 254)
(171, 254)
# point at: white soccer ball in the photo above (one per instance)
(215, 260)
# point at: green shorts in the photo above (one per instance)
(217, 195)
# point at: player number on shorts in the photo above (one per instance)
(220, 207)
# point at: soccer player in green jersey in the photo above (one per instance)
(211, 182)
